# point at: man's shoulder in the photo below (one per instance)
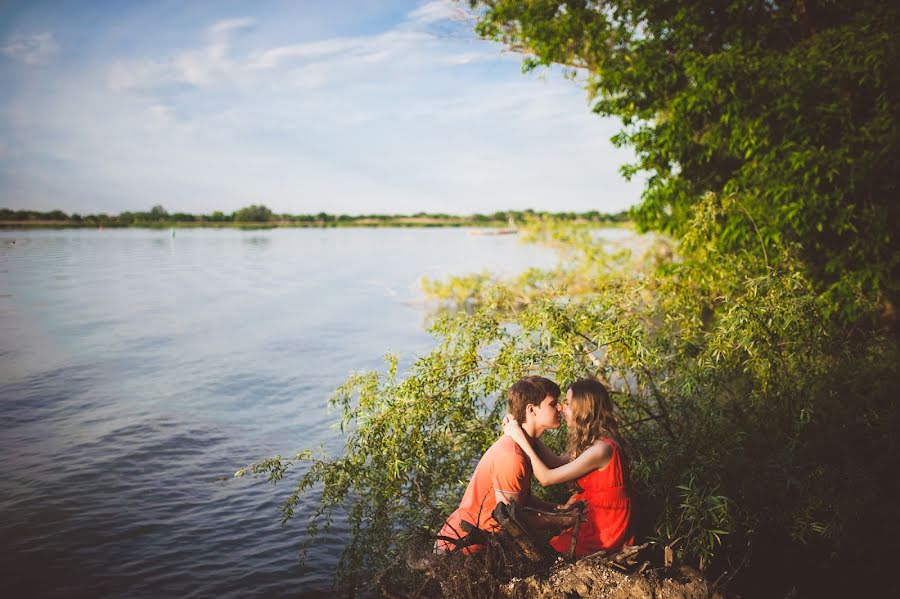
(505, 448)
(508, 465)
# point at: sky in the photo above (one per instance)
(346, 107)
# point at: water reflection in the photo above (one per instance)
(257, 241)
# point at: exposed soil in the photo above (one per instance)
(502, 572)
(595, 578)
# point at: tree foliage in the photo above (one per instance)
(253, 214)
(789, 106)
(751, 426)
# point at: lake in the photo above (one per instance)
(138, 371)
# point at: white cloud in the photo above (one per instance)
(162, 112)
(407, 43)
(464, 58)
(134, 74)
(227, 26)
(401, 120)
(32, 50)
(438, 10)
(365, 49)
(305, 65)
(198, 67)
(275, 56)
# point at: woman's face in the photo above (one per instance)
(567, 407)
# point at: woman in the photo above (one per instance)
(595, 458)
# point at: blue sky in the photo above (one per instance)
(352, 106)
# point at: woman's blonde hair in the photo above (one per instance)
(592, 416)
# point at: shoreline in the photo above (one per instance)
(403, 223)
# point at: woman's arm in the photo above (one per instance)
(548, 456)
(596, 456)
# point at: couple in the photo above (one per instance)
(594, 458)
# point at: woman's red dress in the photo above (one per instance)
(608, 511)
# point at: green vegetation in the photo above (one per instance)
(261, 216)
(786, 109)
(765, 432)
(752, 349)
(253, 214)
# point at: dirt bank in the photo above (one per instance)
(593, 577)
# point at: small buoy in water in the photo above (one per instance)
(101, 227)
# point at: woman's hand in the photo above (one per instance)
(511, 427)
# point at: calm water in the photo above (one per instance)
(137, 371)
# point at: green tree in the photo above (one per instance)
(253, 214)
(789, 108)
(158, 213)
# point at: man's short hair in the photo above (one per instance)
(531, 390)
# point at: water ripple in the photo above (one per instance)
(137, 370)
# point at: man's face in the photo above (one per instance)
(546, 415)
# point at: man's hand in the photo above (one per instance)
(557, 520)
(571, 505)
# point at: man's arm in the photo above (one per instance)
(507, 496)
(538, 514)
(512, 478)
(540, 504)
(529, 501)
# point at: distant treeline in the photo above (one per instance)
(259, 214)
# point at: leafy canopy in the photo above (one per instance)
(253, 214)
(789, 107)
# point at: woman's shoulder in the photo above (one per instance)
(612, 443)
(605, 444)
(601, 452)
(601, 448)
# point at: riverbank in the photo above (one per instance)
(403, 222)
(257, 217)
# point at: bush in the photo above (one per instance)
(752, 428)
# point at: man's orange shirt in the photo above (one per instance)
(503, 467)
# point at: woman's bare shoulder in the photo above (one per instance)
(601, 453)
(603, 447)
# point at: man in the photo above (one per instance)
(504, 472)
